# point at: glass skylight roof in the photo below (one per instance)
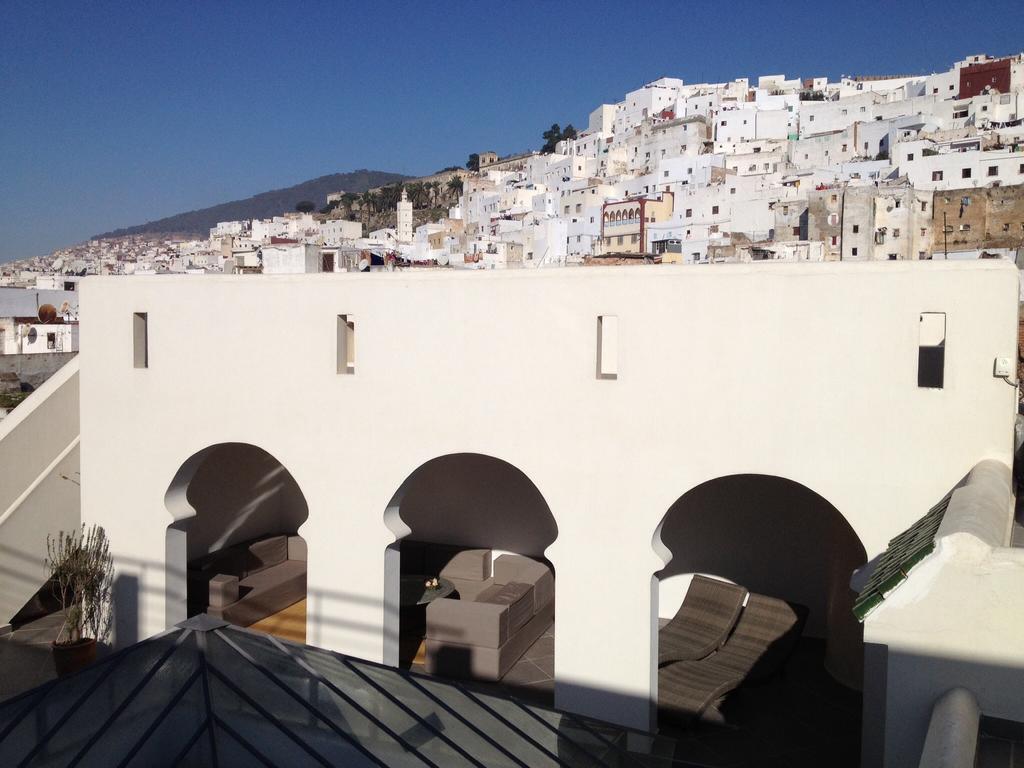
(211, 694)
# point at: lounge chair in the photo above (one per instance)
(702, 623)
(764, 637)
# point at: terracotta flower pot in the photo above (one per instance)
(68, 658)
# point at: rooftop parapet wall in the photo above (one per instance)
(982, 507)
(955, 621)
(807, 372)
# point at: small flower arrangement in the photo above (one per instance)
(432, 584)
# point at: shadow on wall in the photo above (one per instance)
(473, 500)
(775, 537)
(240, 492)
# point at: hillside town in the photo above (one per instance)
(868, 168)
(783, 169)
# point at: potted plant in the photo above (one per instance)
(81, 572)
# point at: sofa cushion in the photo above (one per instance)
(467, 623)
(469, 564)
(297, 548)
(526, 570)
(264, 593)
(517, 596)
(437, 557)
(267, 552)
(232, 561)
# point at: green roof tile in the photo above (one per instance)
(905, 551)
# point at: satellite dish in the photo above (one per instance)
(58, 263)
(65, 307)
(442, 260)
(47, 313)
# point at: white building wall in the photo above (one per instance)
(608, 507)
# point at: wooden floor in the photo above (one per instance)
(289, 624)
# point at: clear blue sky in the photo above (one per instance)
(112, 114)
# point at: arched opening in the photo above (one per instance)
(234, 549)
(480, 527)
(777, 539)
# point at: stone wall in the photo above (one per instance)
(994, 215)
(33, 370)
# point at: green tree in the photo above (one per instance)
(455, 185)
(551, 137)
(555, 134)
(305, 206)
(473, 163)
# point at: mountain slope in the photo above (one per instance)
(264, 205)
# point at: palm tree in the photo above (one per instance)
(415, 192)
(435, 192)
(455, 185)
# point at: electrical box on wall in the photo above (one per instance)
(1003, 368)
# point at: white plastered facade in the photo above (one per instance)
(806, 372)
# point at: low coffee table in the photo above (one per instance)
(413, 599)
(413, 592)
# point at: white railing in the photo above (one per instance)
(39, 483)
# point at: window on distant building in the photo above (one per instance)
(689, 212)
(835, 240)
(895, 233)
(924, 231)
(965, 227)
(619, 241)
(993, 170)
(965, 173)
(732, 190)
(796, 231)
(810, 119)
(892, 257)
(1006, 227)
(844, 147)
(936, 175)
(853, 251)
(910, 156)
(834, 198)
(899, 203)
(714, 209)
(856, 228)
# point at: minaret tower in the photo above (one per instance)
(404, 219)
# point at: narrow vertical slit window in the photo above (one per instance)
(346, 344)
(140, 338)
(607, 347)
(931, 350)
